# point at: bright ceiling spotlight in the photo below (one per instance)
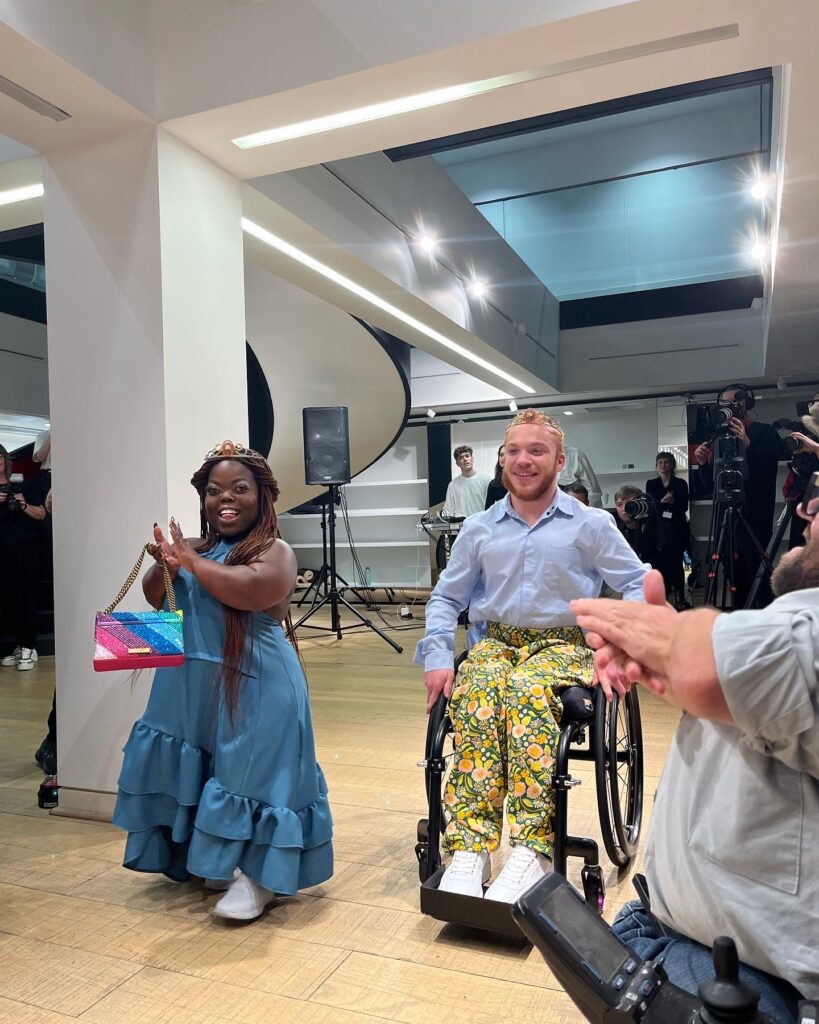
(477, 289)
(759, 252)
(513, 406)
(18, 195)
(568, 412)
(431, 413)
(761, 188)
(429, 243)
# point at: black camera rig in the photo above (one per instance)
(11, 503)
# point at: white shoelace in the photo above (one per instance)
(463, 862)
(518, 864)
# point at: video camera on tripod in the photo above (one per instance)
(730, 462)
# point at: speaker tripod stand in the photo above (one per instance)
(319, 584)
(333, 596)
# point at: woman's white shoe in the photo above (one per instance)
(244, 900)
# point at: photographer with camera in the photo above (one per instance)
(802, 452)
(637, 519)
(735, 829)
(755, 453)
(21, 508)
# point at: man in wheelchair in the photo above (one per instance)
(735, 828)
(516, 566)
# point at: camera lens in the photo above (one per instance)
(787, 446)
(637, 508)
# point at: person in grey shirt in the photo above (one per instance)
(734, 844)
(516, 566)
(466, 493)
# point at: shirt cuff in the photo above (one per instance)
(435, 660)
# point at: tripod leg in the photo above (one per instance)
(369, 624)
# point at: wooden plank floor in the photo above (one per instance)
(83, 939)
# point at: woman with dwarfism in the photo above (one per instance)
(220, 778)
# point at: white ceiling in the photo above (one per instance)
(217, 57)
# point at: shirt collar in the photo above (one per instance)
(562, 504)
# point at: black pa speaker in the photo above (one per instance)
(326, 445)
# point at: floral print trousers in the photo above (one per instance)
(506, 711)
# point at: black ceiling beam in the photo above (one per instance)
(578, 114)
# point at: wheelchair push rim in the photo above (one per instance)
(619, 775)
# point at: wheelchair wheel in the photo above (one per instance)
(618, 769)
(438, 756)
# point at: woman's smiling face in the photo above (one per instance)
(231, 499)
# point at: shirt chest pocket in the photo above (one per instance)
(750, 823)
(560, 563)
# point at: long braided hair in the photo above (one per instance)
(235, 652)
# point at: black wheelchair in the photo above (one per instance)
(591, 729)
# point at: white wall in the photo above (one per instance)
(314, 354)
(436, 383)
(23, 366)
(676, 352)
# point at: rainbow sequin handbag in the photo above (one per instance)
(136, 640)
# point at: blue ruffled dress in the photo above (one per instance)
(200, 794)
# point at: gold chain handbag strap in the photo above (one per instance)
(132, 575)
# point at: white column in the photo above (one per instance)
(146, 373)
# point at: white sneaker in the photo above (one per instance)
(244, 900)
(466, 873)
(27, 660)
(524, 868)
(11, 660)
(220, 884)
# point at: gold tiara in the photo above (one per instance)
(536, 417)
(232, 450)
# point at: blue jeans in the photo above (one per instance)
(688, 963)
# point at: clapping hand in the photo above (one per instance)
(163, 550)
(623, 631)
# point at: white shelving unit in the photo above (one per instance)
(385, 504)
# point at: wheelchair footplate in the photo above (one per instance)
(468, 911)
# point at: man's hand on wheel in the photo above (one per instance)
(438, 681)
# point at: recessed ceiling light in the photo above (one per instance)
(431, 413)
(758, 251)
(568, 412)
(18, 195)
(428, 243)
(477, 289)
(761, 188)
(437, 97)
(513, 406)
(268, 238)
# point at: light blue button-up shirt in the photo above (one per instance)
(506, 571)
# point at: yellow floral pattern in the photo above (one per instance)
(506, 712)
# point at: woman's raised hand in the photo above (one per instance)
(162, 548)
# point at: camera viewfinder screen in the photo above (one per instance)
(585, 932)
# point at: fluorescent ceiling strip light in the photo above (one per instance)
(282, 246)
(18, 195)
(29, 99)
(437, 97)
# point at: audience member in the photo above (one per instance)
(495, 491)
(466, 493)
(671, 495)
(580, 492)
(42, 455)
(21, 509)
(642, 534)
(578, 470)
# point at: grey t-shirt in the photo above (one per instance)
(466, 495)
(734, 844)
